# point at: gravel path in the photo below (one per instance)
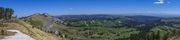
(18, 36)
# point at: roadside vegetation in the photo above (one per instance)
(7, 21)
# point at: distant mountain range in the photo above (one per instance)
(136, 19)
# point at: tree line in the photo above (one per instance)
(5, 15)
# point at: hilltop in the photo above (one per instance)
(96, 27)
(105, 27)
(29, 30)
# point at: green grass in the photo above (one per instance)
(99, 33)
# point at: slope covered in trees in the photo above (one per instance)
(92, 27)
(106, 27)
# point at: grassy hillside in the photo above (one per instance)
(33, 32)
(43, 22)
(116, 28)
(78, 33)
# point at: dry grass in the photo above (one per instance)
(33, 32)
(8, 33)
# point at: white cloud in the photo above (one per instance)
(159, 2)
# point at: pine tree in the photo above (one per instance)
(5, 14)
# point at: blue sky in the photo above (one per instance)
(75, 7)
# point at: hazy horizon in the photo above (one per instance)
(77, 7)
